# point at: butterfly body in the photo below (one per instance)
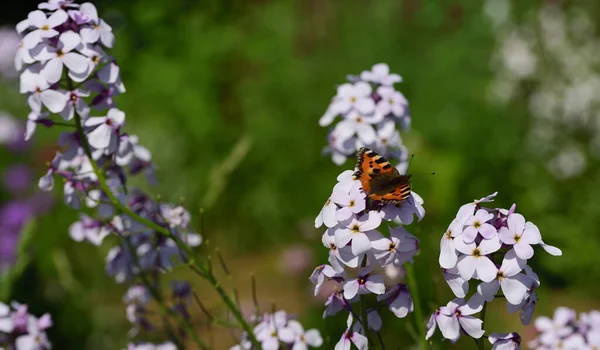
(380, 179)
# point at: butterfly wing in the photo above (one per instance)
(380, 179)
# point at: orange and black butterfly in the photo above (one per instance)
(380, 179)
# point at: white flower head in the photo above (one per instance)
(380, 74)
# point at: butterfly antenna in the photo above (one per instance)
(409, 162)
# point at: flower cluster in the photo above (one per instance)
(279, 329)
(22, 331)
(353, 223)
(566, 331)
(65, 71)
(20, 206)
(491, 246)
(371, 110)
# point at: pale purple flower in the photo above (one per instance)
(406, 211)
(399, 248)
(432, 323)
(475, 259)
(324, 271)
(521, 235)
(35, 84)
(9, 45)
(380, 74)
(267, 332)
(105, 130)
(478, 223)
(60, 56)
(43, 26)
(515, 285)
(353, 96)
(335, 303)
(89, 229)
(361, 232)
(505, 341)
(327, 214)
(553, 330)
(351, 203)
(392, 102)
(35, 337)
(364, 283)
(387, 136)
(459, 285)
(352, 336)
(301, 339)
(339, 255)
(356, 124)
(99, 29)
(448, 257)
(398, 300)
(456, 315)
(76, 104)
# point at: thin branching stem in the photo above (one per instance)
(197, 266)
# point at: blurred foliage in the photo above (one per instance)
(227, 94)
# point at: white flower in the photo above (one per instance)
(432, 323)
(35, 84)
(478, 224)
(338, 255)
(356, 124)
(553, 330)
(104, 134)
(505, 341)
(53, 5)
(380, 74)
(89, 229)
(514, 284)
(352, 336)
(352, 203)
(301, 339)
(448, 256)
(60, 56)
(327, 214)
(44, 26)
(364, 283)
(399, 300)
(521, 235)
(457, 314)
(36, 337)
(406, 211)
(475, 259)
(399, 248)
(392, 102)
(353, 96)
(76, 104)
(98, 30)
(6, 320)
(360, 231)
(459, 285)
(268, 331)
(321, 272)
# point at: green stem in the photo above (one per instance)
(481, 341)
(196, 266)
(414, 293)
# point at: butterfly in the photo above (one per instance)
(380, 179)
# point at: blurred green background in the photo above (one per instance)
(227, 95)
